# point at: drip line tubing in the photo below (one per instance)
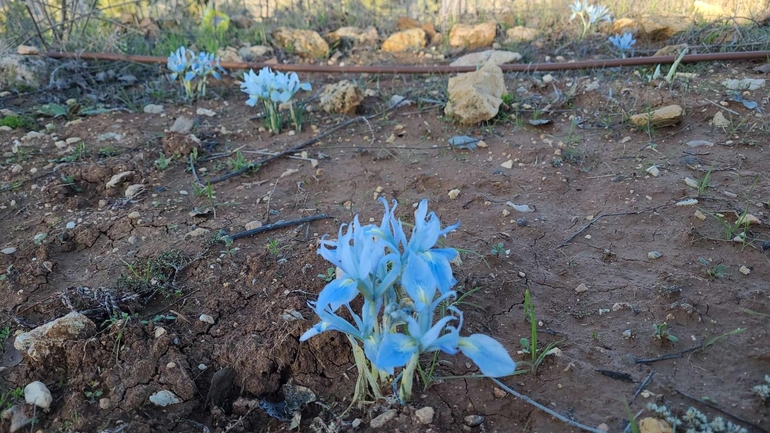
(436, 69)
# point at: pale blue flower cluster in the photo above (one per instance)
(589, 14)
(623, 43)
(190, 67)
(405, 284)
(272, 88)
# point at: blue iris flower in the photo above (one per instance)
(272, 86)
(178, 62)
(623, 43)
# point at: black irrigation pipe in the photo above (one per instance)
(274, 226)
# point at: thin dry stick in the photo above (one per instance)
(557, 415)
(257, 164)
(604, 215)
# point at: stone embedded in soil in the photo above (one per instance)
(359, 36)
(70, 225)
(720, 121)
(164, 398)
(8, 251)
(744, 270)
(251, 225)
(160, 331)
(406, 40)
(654, 255)
(40, 342)
(664, 116)
(153, 109)
(744, 84)
(37, 393)
(182, 125)
(383, 418)
(27, 50)
(476, 96)
(119, 178)
(306, 43)
(518, 34)
(497, 57)
(471, 37)
(699, 143)
(19, 419)
(581, 288)
(73, 140)
(473, 420)
(654, 425)
(254, 52)
(205, 112)
(453, 194)
(425, 415)
(134, 190)
(105, 404)
(134, 215)
(205, 318)
(343, 97)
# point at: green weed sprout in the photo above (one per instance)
(663, 332)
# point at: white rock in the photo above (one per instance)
(482, 57)
(251, 225)
(202, 367)
(744, 270)
(205, 112)
(160, 331)
(507, 164)
(134, 215)
(153, 109)
(73, 140)
(134, 190)
(687, 202)
(453, 194)
(425, 415)
(383, 418)
(744, 84)
(700, 215)
(105, 404)
(39, 342)
(70, 225)
(523, 208)
(720, 121)
(653, 171)
(205, 318)
(164, 398)
(654, 255)
(581, 288)
(548, 79)
(118, 179)
(8, 251)
(38, 394)
(182, 125)
(200, 231)
(476, 96)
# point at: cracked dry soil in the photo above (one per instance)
(569, 172)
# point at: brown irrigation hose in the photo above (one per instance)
(437, 69)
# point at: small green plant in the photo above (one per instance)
(80, 152)
(273, 247)
(704, 184)
(297, 116)
(107, 151)
(11, 397)
(508, 99)
(93, 392)
(763, 390)
(663, 332)
(69, 181)
(162, 162)
(499, 249)
(529, 345)
(229, 250)
(717, 271)
(329, 276)
(239, 162)
(4, 334)
(17, 122)
(204, 191)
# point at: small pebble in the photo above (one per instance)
(160, 331)
(765, 245)
(425, 415)
(70, 225)
(498, 393)
(356, 422)
(700, 215)
(202, 367)
(205, 318)
(581, 288)
(171, 365)
(8, 251)
(183, 192)
(105, 404)
(627, 334)
(522, 222)
(744, 270)
(654, 255)
(453, 194)
(473, 420)
(134, 215)
(383, 418)
(251, 225)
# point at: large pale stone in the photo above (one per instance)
(41, 341)
(664, 116)
(406, 40)
(660, 28)
(472, 37)
(254, 52)
(625, 25)
(341, 98)
(654, 425)
(24, 72)
(306, 43)
(359, 36)
(521, 34)
(476, 96)
(27, 50)
(482, 57)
